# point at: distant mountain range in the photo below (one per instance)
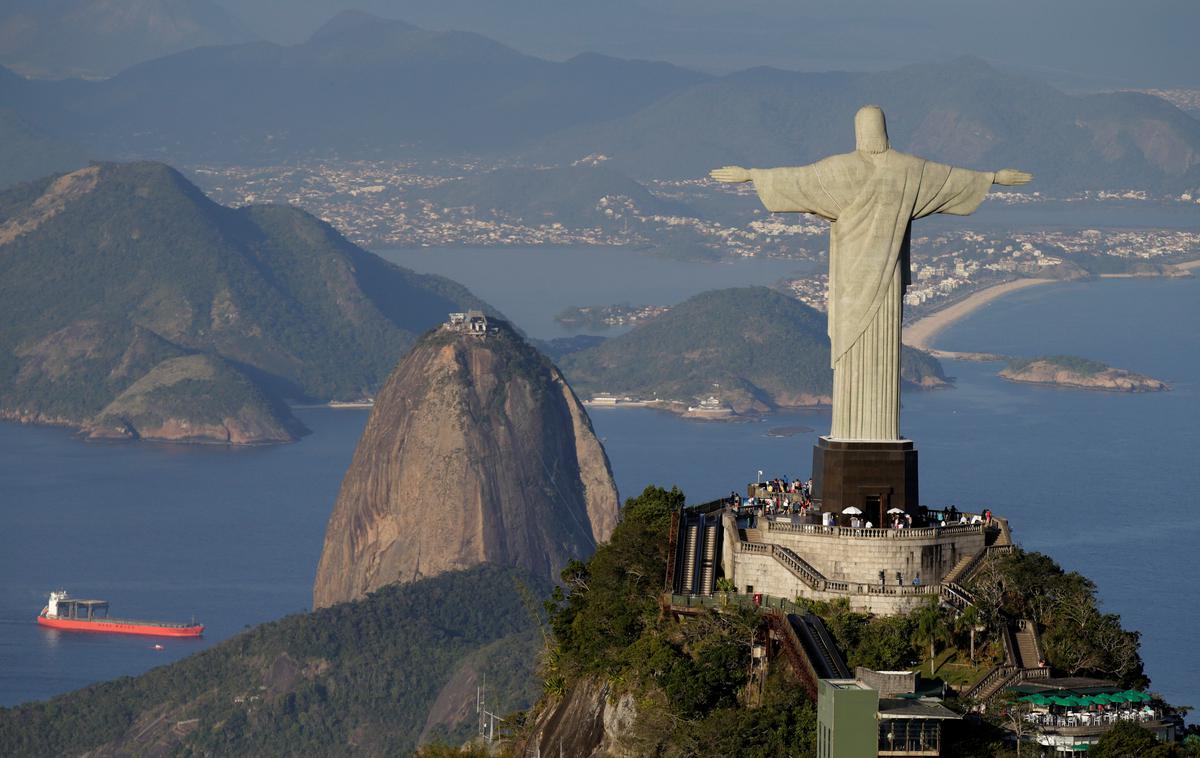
(367, 87)
(360, 85)
(92, 38)
(363, 86)
(111, 274)
(964, 112)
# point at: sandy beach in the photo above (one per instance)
(920, 334)
(1189, 265)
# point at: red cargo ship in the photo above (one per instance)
(65, 612)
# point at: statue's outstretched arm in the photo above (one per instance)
(1010, 177)
(734, 174)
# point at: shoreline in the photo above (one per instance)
(921, 333)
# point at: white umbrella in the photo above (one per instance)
(852, 511)
(895, 510)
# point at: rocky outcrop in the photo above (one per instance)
(1108, 379)
(589, 721)
(476, 451)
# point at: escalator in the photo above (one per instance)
(699, 552)
(818, 644)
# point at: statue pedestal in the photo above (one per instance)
(871, 476)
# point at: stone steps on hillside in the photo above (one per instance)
(1026, 645)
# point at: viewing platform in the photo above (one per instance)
(802, 554)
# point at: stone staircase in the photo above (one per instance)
(1028, 651)
(956, 572)
(1023, 651)
(799, 567)
(992, 683)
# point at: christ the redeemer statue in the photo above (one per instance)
(871, 195)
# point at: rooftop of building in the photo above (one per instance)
(925, 708)
(847, 684)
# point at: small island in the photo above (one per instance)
(607, 316)
(1078, 373)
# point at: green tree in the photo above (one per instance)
(1128, 739)
(932, 628)
(968, 622)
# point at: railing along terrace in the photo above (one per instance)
(873, 533)
(753, 547)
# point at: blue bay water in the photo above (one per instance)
(162, 532)
(1103, 482)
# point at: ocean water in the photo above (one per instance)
(1104, 482)
(231, 536)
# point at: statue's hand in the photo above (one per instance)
(1010, 177)
(730, 174)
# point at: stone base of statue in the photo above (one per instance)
(874, 477)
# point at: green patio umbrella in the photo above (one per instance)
(1118, 697)
(1101, 699)
(1137, 697)
(1078, 700)
(1062, 700)
(1036, 698)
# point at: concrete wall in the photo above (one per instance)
(755, 572)
(859, 559)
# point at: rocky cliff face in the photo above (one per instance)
(476, 451)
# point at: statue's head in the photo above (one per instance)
(870, 130)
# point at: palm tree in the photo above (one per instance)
(969, 621)
(931, 626)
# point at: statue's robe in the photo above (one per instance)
(871, 198)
